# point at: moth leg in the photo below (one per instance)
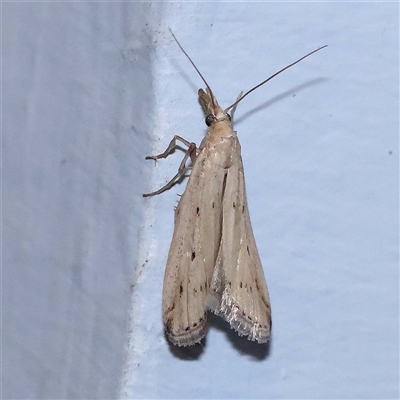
(234, 107)
(190, 152)
(170, 148)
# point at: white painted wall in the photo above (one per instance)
(89, 89)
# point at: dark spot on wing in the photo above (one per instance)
(243, 209)
(168, 324)
(224, 185)
(180, 289)
(234, 205)
(198, 211)
(241, 285)
(213, 205)
(248, 251)
(201, 288)
(193, 255)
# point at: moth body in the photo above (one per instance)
(213, 261)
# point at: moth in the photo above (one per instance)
(213, 262)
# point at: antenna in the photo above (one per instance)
(252, 89)
(272, 76)
(194, 65)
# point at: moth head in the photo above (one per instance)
(212, 110)
(211, 118)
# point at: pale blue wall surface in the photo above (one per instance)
(320, 151)
(77, 98)
(90, 89)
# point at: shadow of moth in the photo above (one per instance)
(213, 262)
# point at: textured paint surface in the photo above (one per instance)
(87, 88)
(320, 150)
(77, 95)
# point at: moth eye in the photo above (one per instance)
(229, 117)
(210, 119)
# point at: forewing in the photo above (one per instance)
(192, 254)
(238, 290)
